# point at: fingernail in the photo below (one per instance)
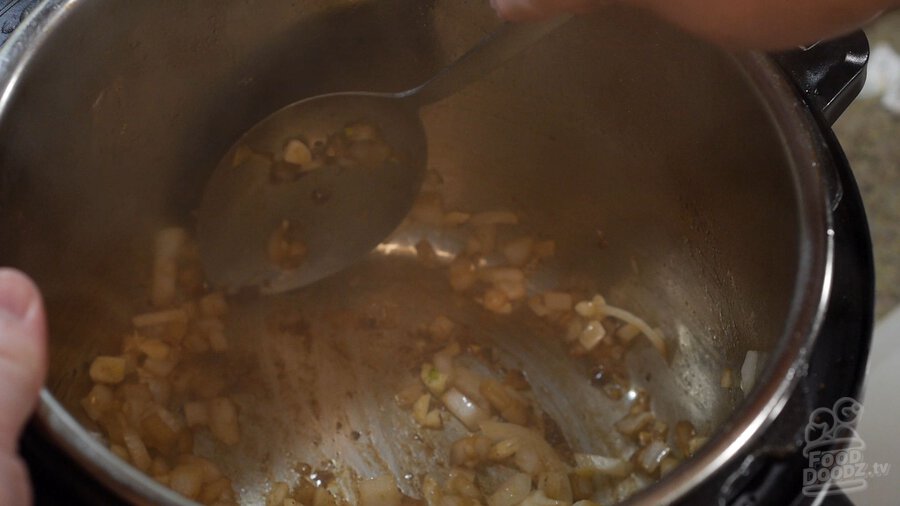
(17, 295)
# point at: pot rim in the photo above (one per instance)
(813, 166)
(808, 158)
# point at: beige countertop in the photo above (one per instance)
(870, 135)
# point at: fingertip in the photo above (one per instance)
(23, 327)
(20, 300)
(23, 353)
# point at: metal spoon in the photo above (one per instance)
(328, 218)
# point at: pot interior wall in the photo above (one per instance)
(614, 124)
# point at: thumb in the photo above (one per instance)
(23, 353)
(23, 365)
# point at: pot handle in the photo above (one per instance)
(830, 74)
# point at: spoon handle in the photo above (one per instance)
(491, 52)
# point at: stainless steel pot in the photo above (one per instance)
(706, 175)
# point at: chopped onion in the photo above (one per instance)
(455, 218)
(286, 248)
(462, 482)
(362, 131)
(627, 332)
(748, 371)
(187, 480)
(296, 152)
(504, 449)
(171, 421)
(138, 453)
(209, 470)
(592, 334)
(500, 431)
(509, 280)
(652, 455)
(626, 488)
(167, 317)
(539, 499)
(574, 329)
(109, 370)
(435, 380)
(582, 481)
(512, 491)
(241, 155)
(160, 367)
(500, 275)
(470, 451)
(607, 466)
(512, 407)
(655, 339)
(518, 251)
(528, 459)
(585, 308)
(684, 432)
(409, 394)
(556, 485)
(98, 401)
(443, 360)
(598, 308)
(430, 490)
(667, 465)
(464, 409)
(496, 301)
(154, 348)
(220, 490)
(631, 424)
(695, 443)
(469, 383)
(428, 418)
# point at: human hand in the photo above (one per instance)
(759, 24)
(23, 365)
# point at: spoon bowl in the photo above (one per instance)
(337, 213)
(275, 228)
